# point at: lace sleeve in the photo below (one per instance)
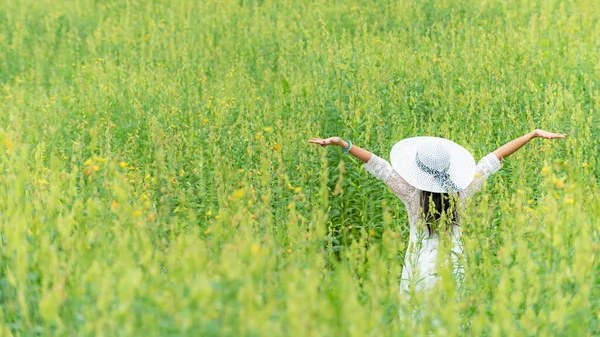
(381, 169)
(487, 166)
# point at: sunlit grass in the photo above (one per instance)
(155, 177)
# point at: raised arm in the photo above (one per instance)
(376, 166)
(490, 164)
(512, 146)
(356, 151)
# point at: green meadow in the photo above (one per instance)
(156, 179)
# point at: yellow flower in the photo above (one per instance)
(277, 147)
(558, 183)
(205, 120)
(545, 169)
(585, 164)
(114, 205)
(298, 189)
(268, 129)
(569, 201)
(123, 164)
(238, 194)
(255, 248)
(371, 233)
(137, 213)
(87, 162)
(9, 143)
(207, 231)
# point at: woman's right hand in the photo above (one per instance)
(547, 135)
(512, 146)
(326, 141)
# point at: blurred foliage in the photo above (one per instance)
(155, 176)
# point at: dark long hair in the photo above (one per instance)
(439, 211)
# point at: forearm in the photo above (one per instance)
(356, 151)
(512, 146)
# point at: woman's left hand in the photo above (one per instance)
(326, 141)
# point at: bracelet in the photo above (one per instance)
(345, 150)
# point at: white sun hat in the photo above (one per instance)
(433, 164)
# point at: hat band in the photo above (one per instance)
(442, 177)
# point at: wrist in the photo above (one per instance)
(342, 143)
(533, 134)
(346, 146)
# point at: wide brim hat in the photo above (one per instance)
(420, 159)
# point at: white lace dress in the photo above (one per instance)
(421, 255)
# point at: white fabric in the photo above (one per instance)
(421, 255)
(436, 153)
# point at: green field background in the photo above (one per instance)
(156, 180)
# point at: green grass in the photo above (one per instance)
(155, 176)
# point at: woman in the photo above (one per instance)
(430, 175)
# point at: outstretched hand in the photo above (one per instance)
(548, 135)
(512, 146)
(326, 141)
(353, 150)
